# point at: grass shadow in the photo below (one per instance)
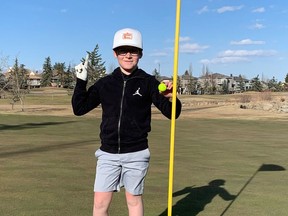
(46, 148)
(30, 125)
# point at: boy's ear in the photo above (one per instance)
(141, 54)
(114, 53)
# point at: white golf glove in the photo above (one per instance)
(81, 69)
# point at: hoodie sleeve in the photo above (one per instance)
(84, 101)
(163, 103)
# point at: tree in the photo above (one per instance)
(273, 85)
(256, 84)
(69, 77)
(157, 75)
(18, 83)
(47, 73)
(225, 87)
(206, 84)
(190, 82)
(96, 68)
(3, 85)
(3, 80)
(242, 84)
(286, 78)
(59, 69)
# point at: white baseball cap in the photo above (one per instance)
(128, 37)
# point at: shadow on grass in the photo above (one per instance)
(198, 197)
(262, 168)
(47, 148)
(30, 125)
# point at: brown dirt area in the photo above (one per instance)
(192, 107)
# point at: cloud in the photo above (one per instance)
(234, 56)
(224, 60)
(247, 42)
(257, 26)
(229, 9)
(192, 48)
(184, 39)
(203, 10)
(259, 10)
(246, 53)
(158, 54)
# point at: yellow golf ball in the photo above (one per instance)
(162, 87)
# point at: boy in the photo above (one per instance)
(126, 97)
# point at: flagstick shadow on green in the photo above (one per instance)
(198, 197)
(262, 168)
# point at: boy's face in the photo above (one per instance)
(128, 58)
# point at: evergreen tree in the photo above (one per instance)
(2, 81)
(256, 84)
(96, 68)
(68, 79)
(225, 87)
(286, 78)
(59, 69)
(273, 85)
(191, 85)
(47, 73)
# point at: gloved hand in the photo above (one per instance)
(81, 69)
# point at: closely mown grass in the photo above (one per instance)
(42, 96)
(47, 167)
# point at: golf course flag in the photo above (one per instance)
(172, 134)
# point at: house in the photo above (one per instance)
(33, 80)
(216, 82)
(239, 80)
(187, 84)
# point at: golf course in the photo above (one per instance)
(228, 161)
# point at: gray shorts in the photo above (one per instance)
(128, 170)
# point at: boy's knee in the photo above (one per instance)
(102, 202)
(100, 205)
(133, 200)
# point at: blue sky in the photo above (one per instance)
(229, 37)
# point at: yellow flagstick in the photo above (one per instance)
(172, 133)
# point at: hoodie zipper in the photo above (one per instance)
(120, 116)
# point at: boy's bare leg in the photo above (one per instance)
(135, 204)
(102, 202)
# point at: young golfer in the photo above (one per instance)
(126, 97)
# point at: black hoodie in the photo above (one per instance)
(126, 108)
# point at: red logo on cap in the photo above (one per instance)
(127, 35)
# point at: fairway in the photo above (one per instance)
(47, 167)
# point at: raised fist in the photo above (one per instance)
(81, 69)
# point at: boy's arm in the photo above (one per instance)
(83, 101)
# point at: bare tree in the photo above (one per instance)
(17, 82)
(157, 74)
(3, 81)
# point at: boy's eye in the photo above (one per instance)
(133, 52)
